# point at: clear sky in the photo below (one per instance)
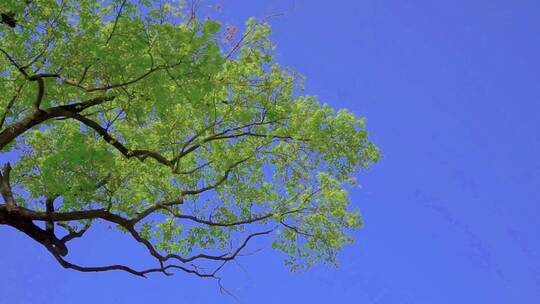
(451, 92)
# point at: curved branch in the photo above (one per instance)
(108, 86)
(224, 135)
(76, 234)
(219, 182)
(141, 273)
(219, 224)
(66, 216)
(227, 256)
(227, 224)
(69, 265)
(38, 117)
(140, 154)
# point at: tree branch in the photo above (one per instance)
(41, 90)
(75, 234)
(116, 21)
(37, 117)
(14, 63)
(225, 224)
(9, 106)
(111, 86)
(227, 256)
(5, 189)
(219, 182)
(49, 207)
(140, 154)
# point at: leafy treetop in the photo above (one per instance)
(140, 115)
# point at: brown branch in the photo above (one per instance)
(49, 205)
(67, 216)
(58, 248)
(75, 234)
(37, 117)
(218, 224)
(140, 154)
(225, 224)
(26, 226)
(5, 189)
(141, 273)
(80, 106)
(41, 90)
(228, 256)
(21, 215)
(24, 125)
(242, 134)
(22, 219)
(69, 265)
(162, 258)
(167, 206)
(10, 105)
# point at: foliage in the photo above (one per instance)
(140, 115)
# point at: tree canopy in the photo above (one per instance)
(188, 138)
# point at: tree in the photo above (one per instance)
(139, 115)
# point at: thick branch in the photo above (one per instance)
(8, 18)
(33, 231)
(5, 189)
(41, 90)
(49, 205)
(37, 117)
(67, 216)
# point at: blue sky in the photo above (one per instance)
(451, 94)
